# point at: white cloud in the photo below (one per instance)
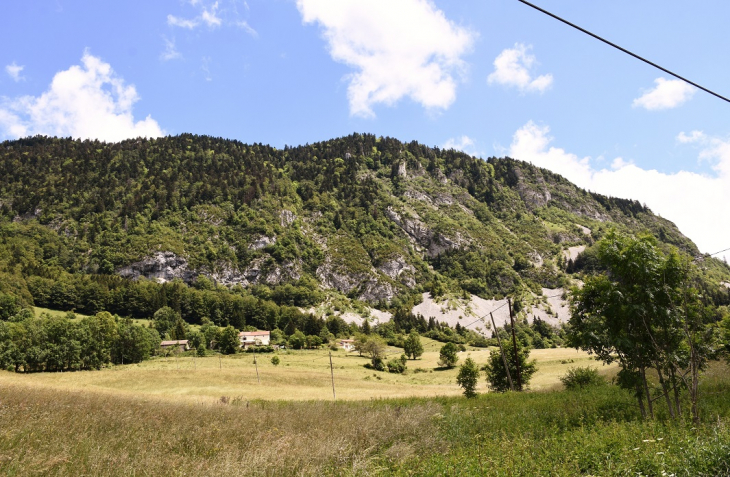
(512, 68)
(694, 136)
(692, 201)
(212, 16)
(87, 101)
(14, 71)
(667, 94)
(171, 52)
(399, 49)
(172, 20)
(463, 144)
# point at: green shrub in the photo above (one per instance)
(275, 360)
(397, 365)
(579, 378)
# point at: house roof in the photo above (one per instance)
(174, 342)
(347, 341)
(254, 333)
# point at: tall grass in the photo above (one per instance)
(51, 431)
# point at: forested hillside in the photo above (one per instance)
(218, 227)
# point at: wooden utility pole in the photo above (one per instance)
(257, 368)
(501, 350)
(514, 345)
(332, 372)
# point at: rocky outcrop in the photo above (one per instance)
(262, 242)
(286, 218)
(433, 243)
(399, 270)
(534, 194)
(162, 267)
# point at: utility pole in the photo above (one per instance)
(332, 372)
(257, 368)
(514, 345)
(501, 350)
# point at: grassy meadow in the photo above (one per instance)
(301, 375)
(173, 416)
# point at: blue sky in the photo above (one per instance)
(491, 77)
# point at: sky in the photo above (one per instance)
(489, 77)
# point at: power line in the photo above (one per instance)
(624, 50)
(717, 253)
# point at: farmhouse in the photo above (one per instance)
(182, 345)
(347, 345)
(254, 338)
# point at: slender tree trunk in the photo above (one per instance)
(673, 377)
(639, 397)
(665, 391)
(650, 405)
(694, 392)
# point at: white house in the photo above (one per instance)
(254, 338)
(347, 345)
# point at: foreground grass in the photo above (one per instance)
(50, 431)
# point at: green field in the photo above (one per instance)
(210, 416)
(301, 375)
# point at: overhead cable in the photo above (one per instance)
(624, 50)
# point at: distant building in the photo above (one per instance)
(254, 338)
(347, 345)
(182, 345)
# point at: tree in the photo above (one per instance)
(297, 340)
(643, 313)
(496, 374)
(228, 342)
(468, 377)
(375, 347)
(412, 345)
(447, 356)
(164, 320)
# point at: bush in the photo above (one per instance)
(496, 374)
(376, 364)
(447, 356)
(397, 365)
(260, 349)
(579, 378)
(468, 377)
(275, 360)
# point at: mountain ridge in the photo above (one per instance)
(365, 217)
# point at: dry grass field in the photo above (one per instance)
(173, 416)
(300, 376)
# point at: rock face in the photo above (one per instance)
(162, 267)
(262, 242)
(400, 270)
(433, 243)
(534, 195)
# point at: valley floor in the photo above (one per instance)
(301, 375)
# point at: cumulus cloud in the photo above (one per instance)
(463, 144)
(86, 101)
(398, 49)
(513, 68)
(14, 71)
(667, 94)
(688, 199)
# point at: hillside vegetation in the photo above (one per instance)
(362, 218)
